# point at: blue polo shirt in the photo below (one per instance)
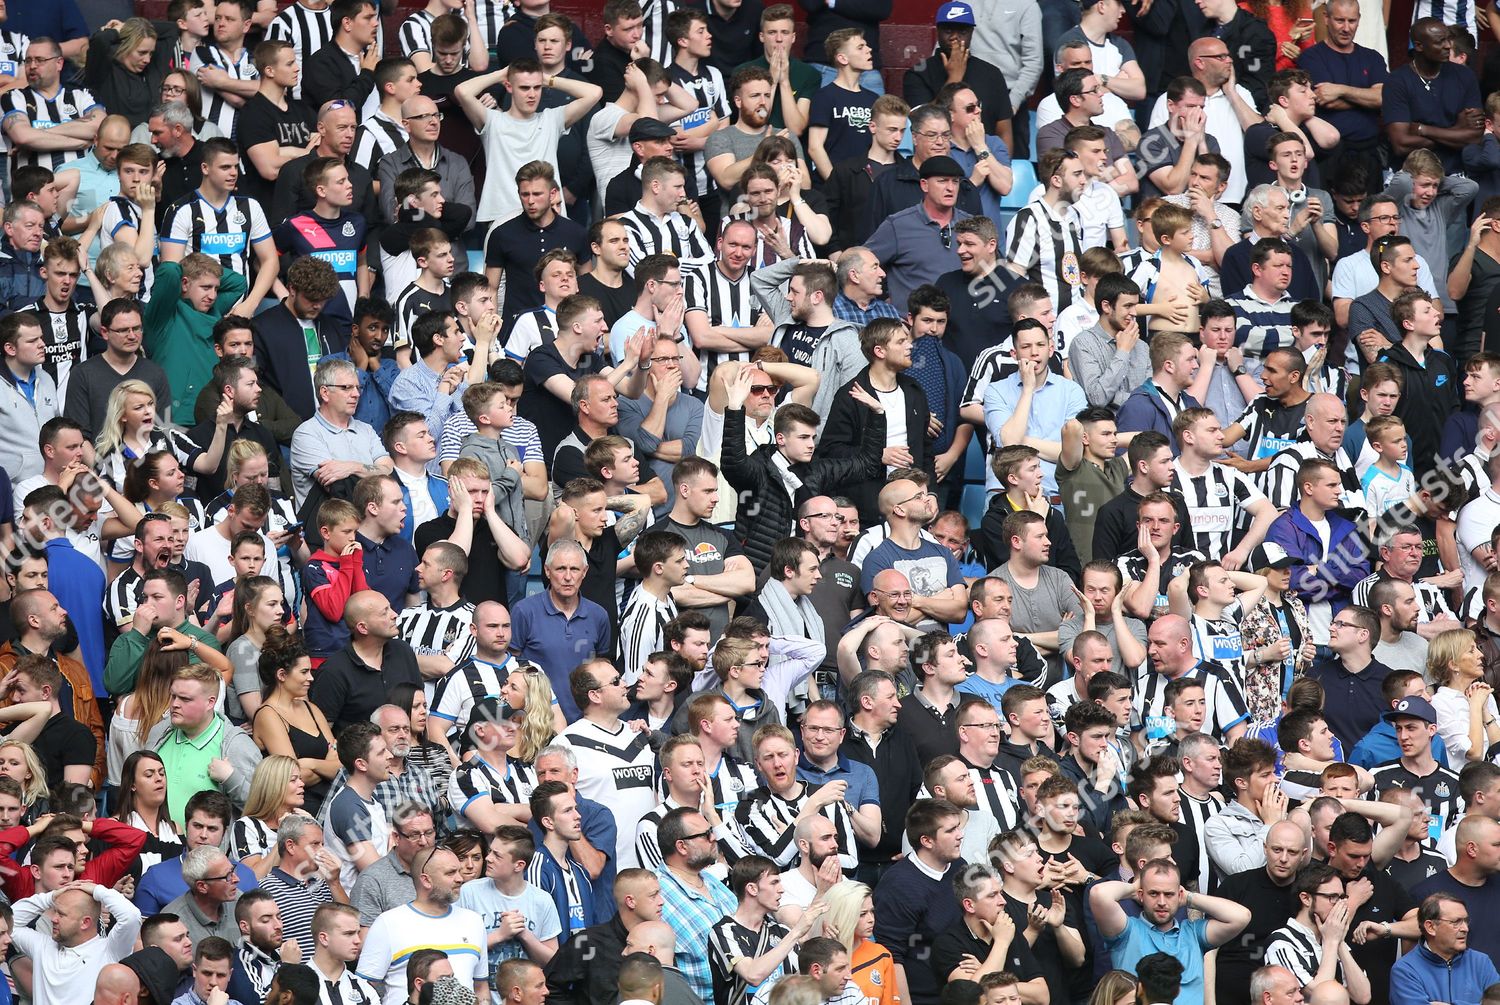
(1186, 941)
(1360, 68)
(557, 643)
(863, 789)
(390, 568)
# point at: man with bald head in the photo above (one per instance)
(1228, 110)
(419, 116)
(433, 918)
(91, 181)
(1267, 891)
(345, 688)
(1273, 986)
(1325, 993)
(68, 953)
(338, 124)
(1169, 650)
(116, 984)
(480, 676)
(939, 593)
(583, 970)
(992, 649)
(1472, 878)
(1325, 421)
(658, 939)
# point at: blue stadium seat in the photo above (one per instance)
(1020, 192)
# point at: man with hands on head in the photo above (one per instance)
(1159, 891)
(1313, 944)
(67, 958)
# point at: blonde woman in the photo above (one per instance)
(1467, 720)
(527, 688)
(18, 760)
(1115, 988)
(851, 920)
(276, 789)
(129, 432)
(125, 66)
(246, 463)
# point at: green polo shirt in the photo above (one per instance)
(186, 761)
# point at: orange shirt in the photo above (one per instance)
(873, 971)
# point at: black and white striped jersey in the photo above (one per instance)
(467, 684)
(1194, 814)
(349, 989)
(121, 213)
(1271, 427)
(1432, 602)
(994, 363)
(654, 29)
(1295, 947)
(1218, 504)
(69, 104)
(672, 234)
(1047, 244)
(412, 304)
(216, 108)
(122, 597)
(729, 942)
(477, 778)
(1280, 480)
(1439, 790)
(707, 88)
(250, 836)
(1224, 703)
(727, 303)
(66, 333)
(532, 330)
(1218, 640)
(1133, 566)
(224, 233)
(769, 825)
(727, 836)
(444, 630)
(643, 625)
(308, 30)
(997, 794)
(415, 34)
(378, 135)
(492, 15)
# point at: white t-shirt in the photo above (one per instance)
(895, 405)
(403, 930)
(509, 143)
(1475, 522)
(609, 154)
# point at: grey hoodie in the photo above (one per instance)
(505, 481)
(838, 358)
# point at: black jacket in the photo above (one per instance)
(996, 547)
(847, 192)
(899, 773)
(281, 355)
(901, 188)
(844, 435)
(1253, 47)
(766, 513)
(328, 74)
(586, 968)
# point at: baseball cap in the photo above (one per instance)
(1414, 707)
(941, 166)
(488, 709)
(649, 129)
(1270, 555)
(956, 12)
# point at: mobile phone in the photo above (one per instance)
(292, 528)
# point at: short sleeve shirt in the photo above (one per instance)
(846, 115)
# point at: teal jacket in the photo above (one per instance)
(181, 338)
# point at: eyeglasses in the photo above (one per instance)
(1215, 55)
(897, 595)
(425, 116)
(122, 330)
(822, 730)
(1347, 624)
(988, 727)
(40, 60)
(337, 103)
(1335, 897)
(664, 360)
(1455, 922)
(418, 835)
(173, 89)
(919, 495)
(1386, 218)
(928, 134)
(973, 107)
(1091, 90)
(230, 875)
(762, 388)
(346, 388)
(822, 516)
(696, 835)
(608, 683)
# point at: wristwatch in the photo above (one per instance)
(689, 579)
(982, 155)
(1217, 224)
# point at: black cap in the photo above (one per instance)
(649, 129)
(941, 166)
(488, 709)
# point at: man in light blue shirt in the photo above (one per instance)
(1031, 405)
(1157, 930)
(96, 181)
